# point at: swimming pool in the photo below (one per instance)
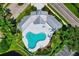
(34, 38)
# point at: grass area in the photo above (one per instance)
(19, 48)
(72, 8)
(26, 12)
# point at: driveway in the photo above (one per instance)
(16, 9)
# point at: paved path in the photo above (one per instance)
(16, 9)
(66, 13)
(64, 52)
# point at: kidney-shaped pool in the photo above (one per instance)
(33, 38)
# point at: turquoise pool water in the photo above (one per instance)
(34, 38)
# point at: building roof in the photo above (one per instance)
(39, 20)
(41, 17)
(53, 22)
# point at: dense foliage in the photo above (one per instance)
(8, 28)
(71, 36)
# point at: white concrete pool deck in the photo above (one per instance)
(49, 26)
(37, 29)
